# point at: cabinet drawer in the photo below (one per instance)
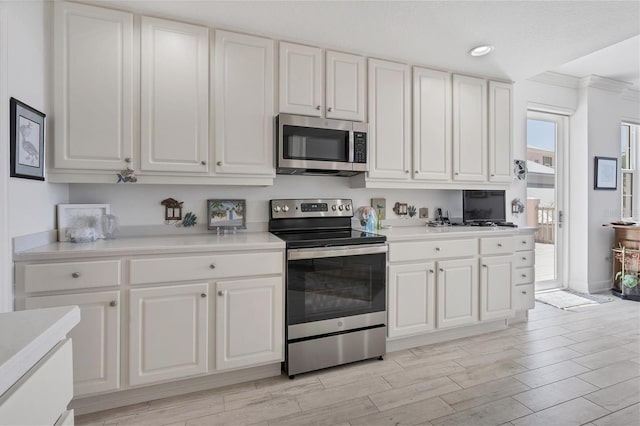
(418, 250)
(496, 245)
(524, 259)
(169, 269)
(70, 275)
(524, 276)
(524, 297)
(524, 242)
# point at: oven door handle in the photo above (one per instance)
(316, 253)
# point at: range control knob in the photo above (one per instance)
(333, 207)
(340, 207)
(276, 209)
(347, 207)
(285, 208)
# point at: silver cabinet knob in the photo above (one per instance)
(484, 266)
(204, 163)
(113, 303)
(437, 248)
(441, 270)
(524, 292)
(220, 293)
(318, 107)
(499, 244)
(212, 266)
(524, 242)
(329, 109)
(456, 173)
(431, 271)
(76, 275)
(127, 160)
(203, 294)
(524, 275)
(524, 258)
(219, 163)
(416, 172)
(492, 175)
(406, 171)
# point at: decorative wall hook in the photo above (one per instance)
(172, 209)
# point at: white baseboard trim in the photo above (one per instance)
(95, 403)
(599, 286)
(401, 343)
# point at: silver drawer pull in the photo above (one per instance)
(437, 248)
(212, 266)
(524, 275)
(441, 270)
(524, 242)
(220, 293)
(330, 109)
(204, 163)
(219, 163)
(524, 292)
(113, 303)
(499, 244)
(524, 258)
(484, 266)
(127, 160)
(431, 271)
(76, 275)
(203, 294)
(318, 107)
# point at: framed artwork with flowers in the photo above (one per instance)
(26, 141)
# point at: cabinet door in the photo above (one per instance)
(243, 104)
(300, 79)
(469, 128)
(174, 96)
(431, 125)
(96, 339)
(496, 287)
(249, 322)
(411, 299)
(389, 120)
(457, 289)
(500, 131)
(167, 332)
(346, 96)
(93, 74)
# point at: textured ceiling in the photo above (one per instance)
(530, 37)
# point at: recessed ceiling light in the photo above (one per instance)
(481, 50)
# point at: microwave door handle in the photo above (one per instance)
(317, 253)
(351, 147)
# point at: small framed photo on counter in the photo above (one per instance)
(606, 173)
(226, 214)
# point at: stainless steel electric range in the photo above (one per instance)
(335, 284)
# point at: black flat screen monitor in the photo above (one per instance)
(483, 206)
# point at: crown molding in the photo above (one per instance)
(632, 95)
(603, 83)
(557, 79)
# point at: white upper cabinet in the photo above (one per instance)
(93, 74)
(244, 106)
(300, 79)
(431, 125)
(469, 128)
(174, 96)
(500, 131)
(345, 89)
(389, 120)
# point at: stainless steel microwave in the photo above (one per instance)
(319, 146)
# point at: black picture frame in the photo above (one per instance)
(226, 214)
(26, 145)
(605, 173)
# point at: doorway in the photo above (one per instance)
(546, 141)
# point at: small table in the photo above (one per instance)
(626, 251)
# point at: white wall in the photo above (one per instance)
(137, 205)
(31, 204)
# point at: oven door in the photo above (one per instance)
(335, 289)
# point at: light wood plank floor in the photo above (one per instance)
(560, 368)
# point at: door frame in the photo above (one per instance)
(6, 275)
(561, 119)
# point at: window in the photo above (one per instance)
(547, 161)
(628, 145)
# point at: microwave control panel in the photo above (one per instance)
(359, 147)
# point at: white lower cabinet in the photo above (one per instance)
(249, 322)
(496, 287)
(96, 339)
(168, 332)
(457, 289)
(412, 303)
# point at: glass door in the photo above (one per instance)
(546, 136)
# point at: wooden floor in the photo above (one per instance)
(560, 368)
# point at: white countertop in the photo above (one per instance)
(154, 245)
(26, 336)
(406, 233)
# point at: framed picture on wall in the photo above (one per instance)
(606, 173)
(26, 141)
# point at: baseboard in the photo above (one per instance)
(599, 286)
(95, 403)
(401, 343)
